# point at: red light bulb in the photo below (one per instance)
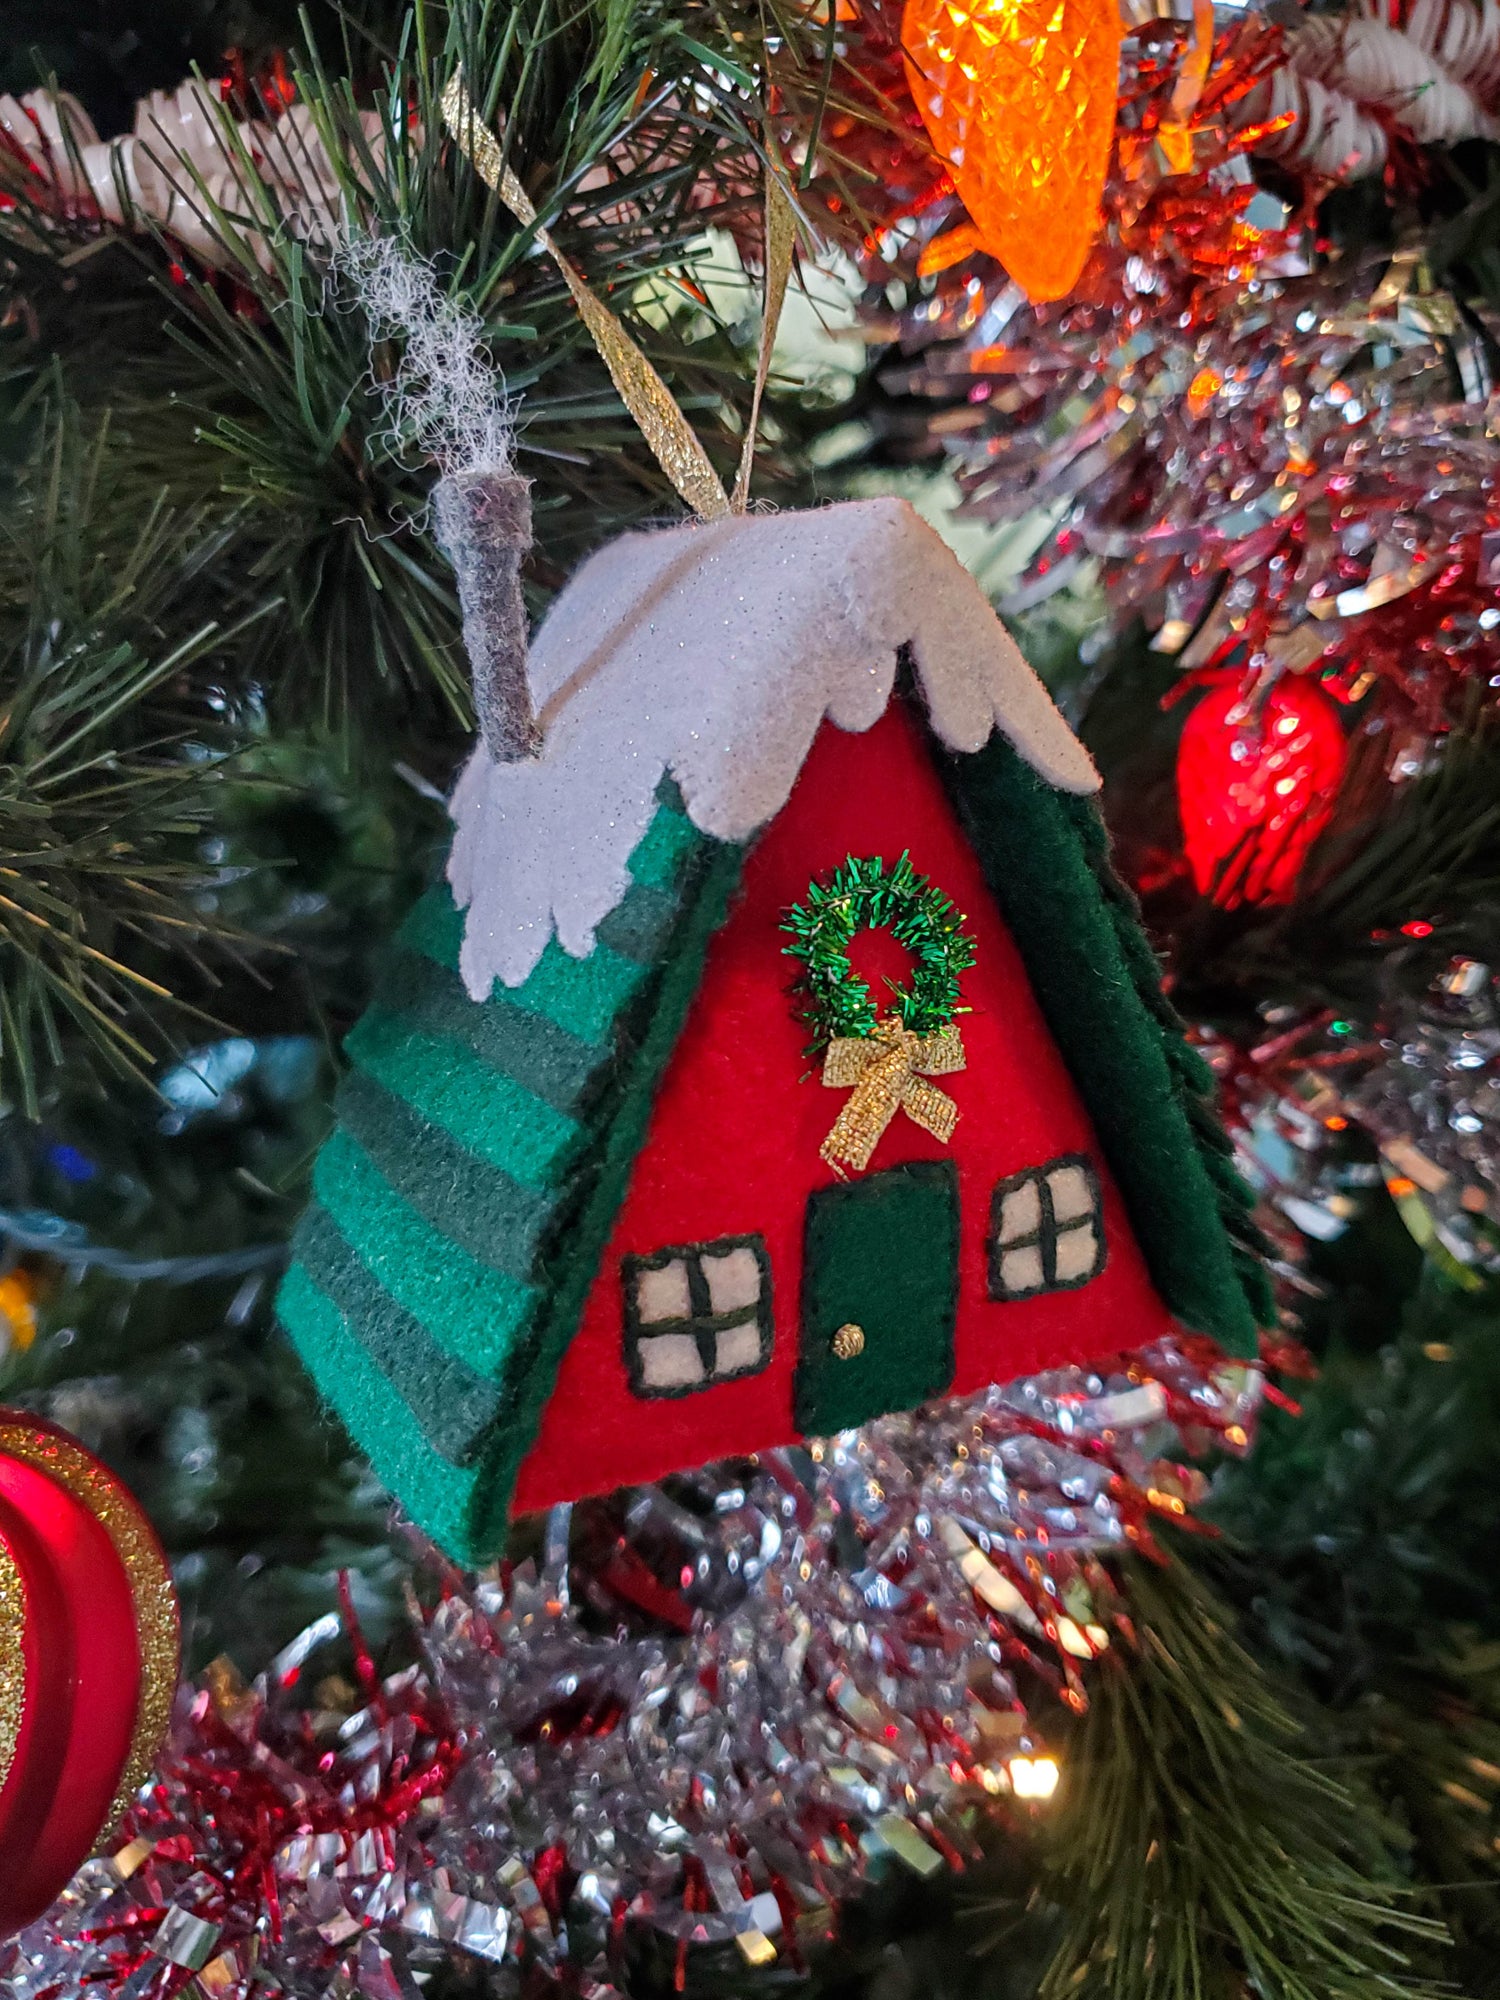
(1256, 785)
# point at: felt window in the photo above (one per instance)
(1046, 1229)
(696, 1314)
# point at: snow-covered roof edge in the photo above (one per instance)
(711, 653)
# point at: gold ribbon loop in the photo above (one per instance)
(885, 1071)
(674, 443)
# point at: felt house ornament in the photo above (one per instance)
(595, 1210)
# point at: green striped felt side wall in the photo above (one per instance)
(457, 1201)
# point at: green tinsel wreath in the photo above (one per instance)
(866, 895)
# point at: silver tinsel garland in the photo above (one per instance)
(707, 1712)
(1420, 1085)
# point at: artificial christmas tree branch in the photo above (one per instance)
(260, 415)
(1199, 1848)
(636, 130)
(110, 773)
(1360, 1546)
(1357, 1793)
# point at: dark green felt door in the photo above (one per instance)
(881, 1255)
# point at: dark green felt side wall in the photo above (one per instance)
(1045, 856)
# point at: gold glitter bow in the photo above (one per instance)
(673, 442)
(886, 1071)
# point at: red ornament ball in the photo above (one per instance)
(1257, 777)
(88, 1658)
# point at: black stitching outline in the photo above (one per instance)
(1045, 1236)
(702, 1323)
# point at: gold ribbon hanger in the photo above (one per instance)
(674, 443)
(781, 245)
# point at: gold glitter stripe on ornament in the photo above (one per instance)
(12, 1659)
(673, 441)
(66, 1461)
(885, 1072)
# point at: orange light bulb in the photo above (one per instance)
(1018, 97)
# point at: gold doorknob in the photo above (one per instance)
(849, 1341)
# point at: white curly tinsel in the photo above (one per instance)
(1429, 71)
(186, 162)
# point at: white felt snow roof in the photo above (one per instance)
(711, 653)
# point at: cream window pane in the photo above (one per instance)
(663, 1293)
(1021, 1212)
(1072, 1195)
(1021, 1270)
(670, 1361)
(733, 1279)
(1077, 1253)
(737, 1348)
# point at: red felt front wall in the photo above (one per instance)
(734, 1136)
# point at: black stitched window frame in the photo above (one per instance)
(1009, 1255)
(689, 1269)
